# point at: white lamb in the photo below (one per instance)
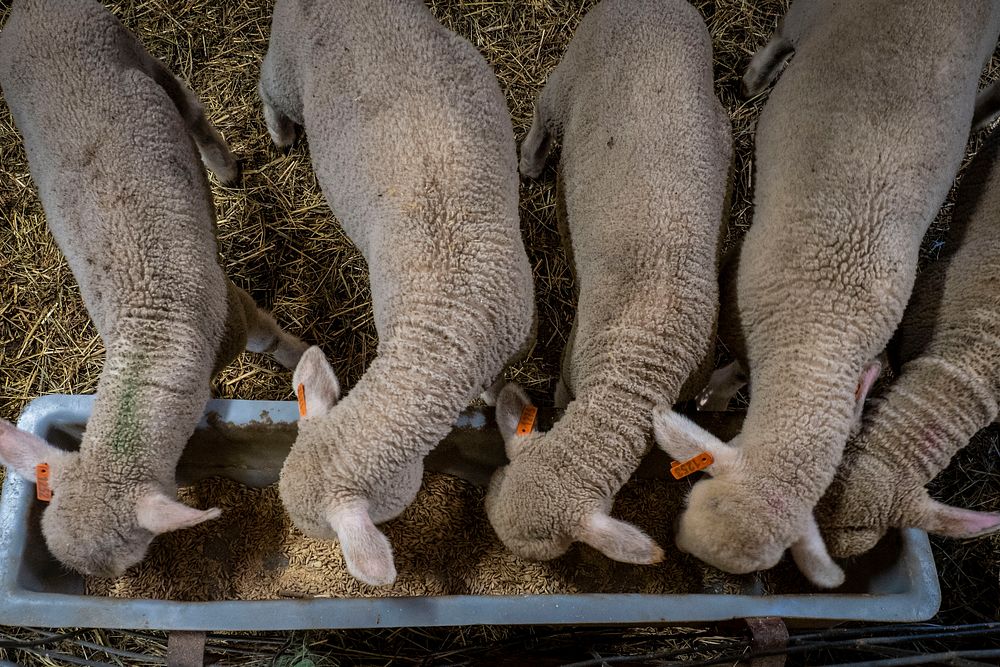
(948, 389)
(856, 150)
(108, 132)
(646, 152)
(412, 144)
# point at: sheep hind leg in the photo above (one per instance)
(722, 387)
(280, 127)
(564, 393)
(265, 336)
(212, 146)
(563, 397)
(278, 100)
(535, 148)
(987, 106)
(765, 66)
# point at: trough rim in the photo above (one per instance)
(23, 607)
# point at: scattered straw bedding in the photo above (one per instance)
(278, 241)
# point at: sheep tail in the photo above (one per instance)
(766, 65)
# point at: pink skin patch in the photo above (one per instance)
(974, 523)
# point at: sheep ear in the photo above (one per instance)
(810, 554)
(940, 519)
(511, 402)
(367, 551)
(619, 540)
(869, 374)
(158, 513)
(21, 451)
(683, 439)
(320, 388)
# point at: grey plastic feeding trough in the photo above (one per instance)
(247, 441)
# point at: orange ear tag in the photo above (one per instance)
(699, 462)
(42, 489)
(526, 424)
(301, 392)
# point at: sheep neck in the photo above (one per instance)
(932, 411)
(798, 422)
(608, 427)
(146, 409)
(405, 403)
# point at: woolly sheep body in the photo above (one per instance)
(646, 152)
(947, 391)
(412, 144)
(108, 133)
(856, 150)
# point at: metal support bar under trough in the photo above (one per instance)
(186, 649)
(769, 634)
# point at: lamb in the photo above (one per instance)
(108, 132)
(856, 149)
(647, 148)
(412, 143)
(948, 390)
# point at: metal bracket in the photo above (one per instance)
(769, 633)
(186, 649)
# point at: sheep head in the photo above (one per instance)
(537, 507)
(99, 522)
(736, 521)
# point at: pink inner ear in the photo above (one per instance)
(936, 517)
(159, 514)
(869, 374)
(971, 524)
(22, 451)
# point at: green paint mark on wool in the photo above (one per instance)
(126, 435)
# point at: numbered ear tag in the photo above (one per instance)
(699, 462)
(42, 489)
(526, 424)
(301, 392)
